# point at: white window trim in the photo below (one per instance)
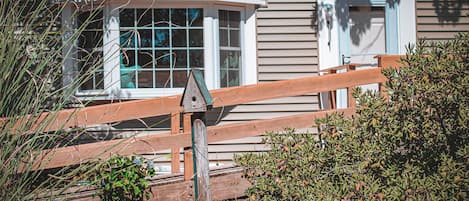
(111, 49)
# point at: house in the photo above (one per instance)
(148, 47)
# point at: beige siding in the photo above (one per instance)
(441, 20)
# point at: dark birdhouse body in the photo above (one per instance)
(196, 97)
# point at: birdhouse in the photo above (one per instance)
(196, 97)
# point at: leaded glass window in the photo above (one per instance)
(90, 51)
(159, 47)
(230, 48)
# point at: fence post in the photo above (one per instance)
(387, 61)
(175, 128)
(200, 153)
(333, 94)
(197, 99)
(351, 100)
(188, 161)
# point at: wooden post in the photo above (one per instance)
(188, 164)
(197, 99)
(387, 61)
(333, 94)
(351, 100)
(188, 161)
(201, 162)
(175, 128)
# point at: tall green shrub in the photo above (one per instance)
(414, 146)
(31, 60)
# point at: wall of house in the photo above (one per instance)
(439, 20)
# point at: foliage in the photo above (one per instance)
(123, 178)
(31, 59)
(412, 146)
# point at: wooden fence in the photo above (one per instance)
(180, 136)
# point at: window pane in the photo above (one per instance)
(196, 37)
(145, 59)
(180, 58)
(161, 17)
(126, 18)
(180, 78)
(145, 38)
(223, 37)
(195, 17)
(179, 38)
(162, 59)
(163, 79)
(178, 17)
(91, 65)
(99, 80)
(127, 39)
(234, 38)
(145, 79)
(90, 39)
(128, 58)
(223, 18)
(128, 76)
(144, 18)
(161, 38)
(88, 84)
(234, 18)
(128, 69)
(230, 59)
(223, 78)
(233, 78)
(196, 58)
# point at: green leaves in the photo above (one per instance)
(414, 146)
(124, 178)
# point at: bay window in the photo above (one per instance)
(149, 51)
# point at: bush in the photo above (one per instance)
(123, 178)
(414, 146)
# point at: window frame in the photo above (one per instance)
(111, 49)
(242, 42)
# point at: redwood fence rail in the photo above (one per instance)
(180, 136)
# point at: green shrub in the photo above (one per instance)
(124, 178)
(413, 147)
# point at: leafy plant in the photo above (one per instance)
(124, 178)
(412, 146)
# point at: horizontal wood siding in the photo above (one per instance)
(441, 20)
